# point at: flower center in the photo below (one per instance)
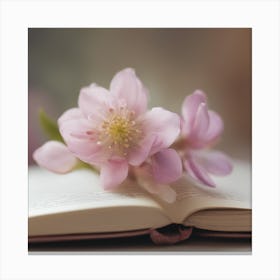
(119, 131)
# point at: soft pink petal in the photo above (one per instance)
(166, 193)
(98, 157)
(113, 173)
(190, 107)
(145, 179)
(126, 86)
(77, 129)
(185, 128)
(55, 157)
(167, 166)
(82, 139)
(164, 125)
(74, 113)
(198, 172)
(214, 162)
(215, 128)
(138, 154)
(200, 127)
(94, 100)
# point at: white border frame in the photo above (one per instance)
(17, 16)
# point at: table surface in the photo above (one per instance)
(143, 245)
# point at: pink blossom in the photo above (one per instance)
(112, 129)
(156, 174)
(201, 128)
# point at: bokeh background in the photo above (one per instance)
(172, 63)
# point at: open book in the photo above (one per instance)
(74, 206)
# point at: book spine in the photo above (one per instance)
(177, 234)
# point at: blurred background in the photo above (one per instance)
(172, 63)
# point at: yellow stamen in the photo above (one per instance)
(120, 131)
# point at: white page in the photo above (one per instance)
(53, 193)
(233, 191)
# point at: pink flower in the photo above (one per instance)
(158, 172)
(201, 128)
(112, 129)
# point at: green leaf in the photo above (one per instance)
(82, 165)
(49, 126)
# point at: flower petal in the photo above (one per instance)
(166, 193)
(73, 113)
(113, 173)
(139, 153)
(125, 85)
(214, 162)
(167, 166)
(215, 127)
(198, 172)
(81, 139)
(94, 100)
(190, 107)
(164, 125)
(145, 179)
(55, 157)
(76, 129)
(200, 127)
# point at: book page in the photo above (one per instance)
(52, 193)
(233, 191)
(76, 203)
(70, 203)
